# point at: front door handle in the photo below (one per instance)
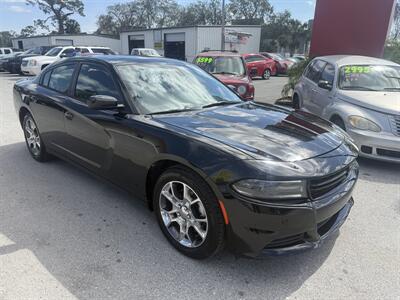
(68, 115)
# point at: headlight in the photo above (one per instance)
(262, 189)
(241, 90)
(32, 62)
(363, 124)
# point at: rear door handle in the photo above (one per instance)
(68, 115)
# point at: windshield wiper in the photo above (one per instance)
(391, 89)
(360, 88)
(171, 111)
(225, 73)
(220, 103)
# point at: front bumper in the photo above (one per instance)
(258, 229)
(30, 70)
(383, 146)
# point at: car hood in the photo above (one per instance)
(232, 79)
(43, 58)
(261, 131)
(387, 102)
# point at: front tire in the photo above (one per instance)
(33, 139)
(267, 74)
(188, 213)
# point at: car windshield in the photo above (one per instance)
(149, 52)
(277, 56)
(105, 51)
(54, 51)
(369, 78)
(156, 88)
(232, 65)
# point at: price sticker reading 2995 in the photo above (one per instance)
(204, 60)
(357, 69)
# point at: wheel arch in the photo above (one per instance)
(22, 113)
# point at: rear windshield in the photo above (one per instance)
(221, 64)
(369, 78)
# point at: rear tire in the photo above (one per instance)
(296, 101)
(191, 221)
(33, 139)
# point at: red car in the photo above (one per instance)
(229, 68)
(258, 65)
(282, 64)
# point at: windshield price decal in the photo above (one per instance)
(205, 60)
(356, 69)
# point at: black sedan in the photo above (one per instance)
(14, 63)
(217, 171)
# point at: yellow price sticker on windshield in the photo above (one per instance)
(357, 69)
(206, 60)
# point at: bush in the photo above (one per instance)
(294, 76)
(392, 51)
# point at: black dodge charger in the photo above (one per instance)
(217, 171)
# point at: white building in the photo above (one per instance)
(67, 40)
(185, 42)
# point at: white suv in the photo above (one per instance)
(34, 65)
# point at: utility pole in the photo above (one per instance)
(223, 27)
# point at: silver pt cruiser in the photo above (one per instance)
(359, 94)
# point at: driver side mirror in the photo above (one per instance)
(103, 102)
(323, 84)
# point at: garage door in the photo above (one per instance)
(174, 45)
(135, 41)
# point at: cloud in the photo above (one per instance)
(311, 2)
(18, 9)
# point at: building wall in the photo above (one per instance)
(76, 40)
(198, 38)
(210, 37)
(351, 27)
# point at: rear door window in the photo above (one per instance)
(7, 51)
(61, 77)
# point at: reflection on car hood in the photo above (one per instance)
(232, 79)
(262, 131)
(387, 102)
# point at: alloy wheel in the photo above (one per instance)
(32, 137)
(267, 74)
(183, 214)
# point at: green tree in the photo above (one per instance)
(5, 38)
(59, 11)
(249, 10)
(72, 26)
(201, 13)
(28, 31)
(392, 51)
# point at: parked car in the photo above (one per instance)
(300, 57)
(34, 65)
(215, 169)
(258, 65)
(360, 95)
(5, 60)
(145, 52)
(282, 64)
(230, 68)
(16, 61)
(5, 52)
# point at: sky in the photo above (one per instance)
(15, 14)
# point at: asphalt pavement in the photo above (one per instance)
(67, 235)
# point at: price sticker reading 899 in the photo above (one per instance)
(204, 60)
(357, 69)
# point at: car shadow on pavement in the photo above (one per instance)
(99, 243)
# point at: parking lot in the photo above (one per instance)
(67, 235)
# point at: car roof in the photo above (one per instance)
(341, 60)
(218, 53)
(123, 59)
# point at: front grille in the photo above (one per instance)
(24, 63)
(321, 186)
(395, 123)
(286, 242)
(389, 153)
